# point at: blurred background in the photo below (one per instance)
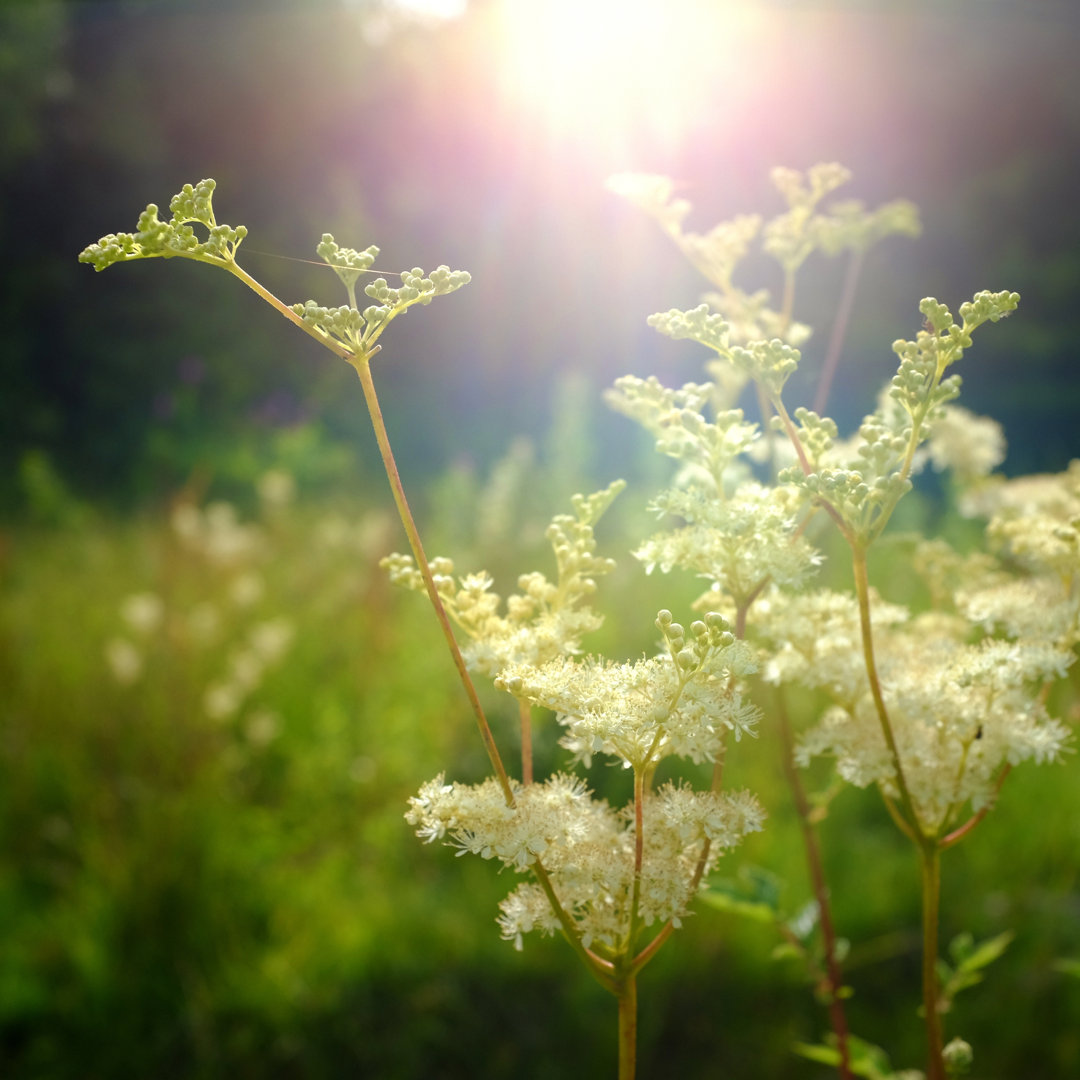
(212, 709)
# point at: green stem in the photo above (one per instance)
(283, 309)
(600, 969)
(862, 591)
(639, 854)
(362, 366)
(363, 369)
(627, 994)
(930, 857)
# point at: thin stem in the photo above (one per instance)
(639, 853)
(834, 979)
(601, 970)
(862, 590)
(930, 857)
(525, 715)
(283, 309)
(958, 834)
(627, 995)
(363, 369)
(653, 947)
(899, 820)
(839, 330)
(807, 468)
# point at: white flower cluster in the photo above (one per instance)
(959, 710)
(645, 711)
(736, 543)
(587, 849)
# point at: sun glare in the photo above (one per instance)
(614, 68)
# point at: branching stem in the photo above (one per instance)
(601, 970)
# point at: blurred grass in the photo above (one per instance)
(186, 893)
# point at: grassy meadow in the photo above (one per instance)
(212, 716)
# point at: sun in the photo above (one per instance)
(608, 69)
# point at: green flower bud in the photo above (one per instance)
(686, 659)
(957, 1056)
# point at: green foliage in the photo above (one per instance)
(968, 961)
(239, 896)
(867, 1060)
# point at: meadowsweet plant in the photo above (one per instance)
(933, 708)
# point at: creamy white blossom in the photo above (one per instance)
(587, 849)
(644, 711)
(959, 712)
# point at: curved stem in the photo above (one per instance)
(839, 330)
(862, 591)
(958, 834)
(807, 468)
(600, 969)
(363, 369)
(668, 929)
(899, 819)
(930, 857)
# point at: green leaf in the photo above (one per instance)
(754, 894)
(825, 1055)
(748, 909)
(986, 953)
(866, 1059)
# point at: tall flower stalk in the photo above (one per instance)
(599, 876)
(942, 730)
